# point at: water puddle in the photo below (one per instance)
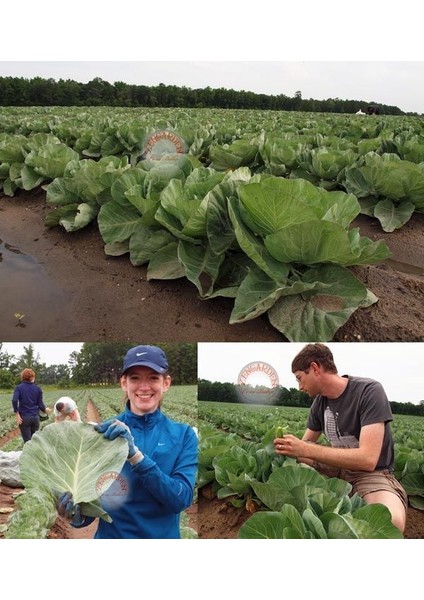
(406, 268)
(32, 306)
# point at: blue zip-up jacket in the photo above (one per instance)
(28, 399)
(145, 501)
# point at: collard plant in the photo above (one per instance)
(388, 188)
(63, 457)
(277, 246)
(306, 505)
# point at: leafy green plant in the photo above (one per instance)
(63, 457)
(388, 188)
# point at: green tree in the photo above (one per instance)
(99, 362)
(29, 359)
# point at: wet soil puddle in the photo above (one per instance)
(32, 306)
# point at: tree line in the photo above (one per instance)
(20, 91)
(96, 363)
(229, 392)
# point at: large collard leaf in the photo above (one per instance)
(318, 315)
(201, 266)
(183, 204)
(239, 153)
(257, 292)
(281, 155)
(314, 242)
(375, 521)
(387, 177)
(275, 203)
(129, 179)
(161, 172)
(145, 242)
(253, 245)
(71, 457)
(286, 524)
(234, 471)
(82, 215)
(372, 521)
(219, 227)
(50, 161)
(266, 525)
(369, 522)
(291, 484)
(391, 215)
(326, 163)
(58, 193)
(412, 477)
(231, 275)
(13, 149)
(117, 222)
(30, 178)
(87, 180)
(255, 295)
(165, 263)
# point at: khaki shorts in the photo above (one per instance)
(364, 483)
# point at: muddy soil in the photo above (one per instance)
(219, 519)
(69, 290)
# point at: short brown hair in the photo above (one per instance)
(27, 375)
(319, 353)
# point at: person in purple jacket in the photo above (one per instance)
(158, 479)
(27, 402)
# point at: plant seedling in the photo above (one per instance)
(19, 317)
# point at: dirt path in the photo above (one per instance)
(69, 290)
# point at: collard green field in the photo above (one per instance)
(254, 207)
(271, 496)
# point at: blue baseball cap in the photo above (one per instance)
(146, 356)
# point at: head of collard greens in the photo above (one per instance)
(71, 457)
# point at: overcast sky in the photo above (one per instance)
(391, 83)
(220, 44)
(398, 366)
(55, 353)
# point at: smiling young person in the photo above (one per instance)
(157, 481)
(354, 414)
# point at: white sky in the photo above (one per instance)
(398, 366)
(51, 353)
(325, 47)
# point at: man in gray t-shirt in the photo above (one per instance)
(354, 414)
(363, 402)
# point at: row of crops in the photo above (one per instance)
(180, 404)
(290, 500)
(249, 205)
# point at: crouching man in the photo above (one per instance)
(354, 414)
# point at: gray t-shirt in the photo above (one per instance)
(363, 402)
